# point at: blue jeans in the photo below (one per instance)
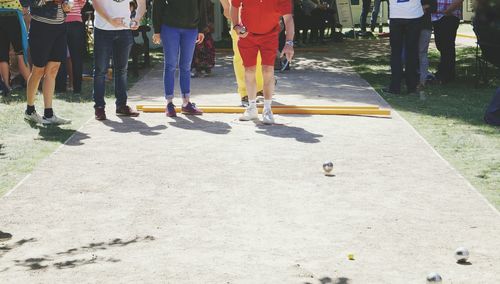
(178, 47)
(107, 45)
(364, 13)
(404, 39)
(375, 11)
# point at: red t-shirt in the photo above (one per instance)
(262, 16)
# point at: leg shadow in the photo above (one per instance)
(283, 131)
(129, 125)
(196, 123)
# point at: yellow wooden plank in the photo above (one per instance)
(139, 107)
(309, 111)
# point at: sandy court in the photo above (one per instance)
(213, 200)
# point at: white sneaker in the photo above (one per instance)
(33, 117)
(250, 113)
(56, 120)
(267, 116)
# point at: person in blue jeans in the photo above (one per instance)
(179, 25)
(113, 39)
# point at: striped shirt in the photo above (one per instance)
(75, 15)
(57, 21)
(442, 5)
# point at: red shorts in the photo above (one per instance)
(250, 46)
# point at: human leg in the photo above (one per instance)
(396, 41)
(187, 46)
(364, 14)
(424, 41)
(171, 41)
(412, 35)
(122, 45)
(76, 45)
(103, 48)
(446, 69)
(375, 12)
(239, 69)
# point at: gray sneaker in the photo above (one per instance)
(33, 117)
(251, 113)
(267, 116)
(56, 120)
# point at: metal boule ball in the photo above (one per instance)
(434, 278)
(461, 254)
(327, 167)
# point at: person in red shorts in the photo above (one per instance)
(258, 28)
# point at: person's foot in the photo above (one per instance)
(55, 120)
(7, 91)
(34, 117)
(170, 110)
(100, 113)
(388, 91)
(250, 113)
(244, 101)
(126, 111)
(260, 94)
(5, 236)
(191, 109)
(267, 116)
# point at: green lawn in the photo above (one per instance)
(22, 146)
(451, 117)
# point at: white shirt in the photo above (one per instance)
(114, 9)
(405, 9)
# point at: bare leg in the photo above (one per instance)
(33, 83)
(251, 83)
(268, 72)
(5, 73)
(49, 83)
(23, 68)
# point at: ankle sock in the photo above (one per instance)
(48, 113)
(267, 104)
(30, 109)
(252, 103)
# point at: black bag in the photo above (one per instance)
(492, 115)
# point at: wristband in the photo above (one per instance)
(289, 43)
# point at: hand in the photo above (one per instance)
(238, 32)
(134, 24)
(118, 22)
(201, 38)
(288, 52)
(66, 8)
(156, 39)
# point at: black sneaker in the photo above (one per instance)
(5, 236)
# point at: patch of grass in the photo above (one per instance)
(23, 146)
(451, 117)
